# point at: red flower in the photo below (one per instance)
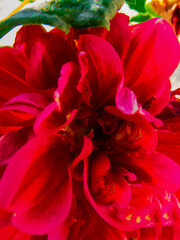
(79, 148)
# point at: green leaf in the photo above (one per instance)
(141, 17)
(138, 5)
(66, 13)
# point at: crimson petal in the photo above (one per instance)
(106, 68)
(39, 189)
(48, 55)
(119, 34)
(12, 142)
(12, 73)
(164, 171)
(25, 39)
(66, 101)
(109, 213)
(32, 103)
(149, 134)
(152, 57)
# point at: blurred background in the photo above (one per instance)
(7, 6)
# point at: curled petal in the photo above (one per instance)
(85, 152)
(51, 120)
(126, 101)
(66, 101)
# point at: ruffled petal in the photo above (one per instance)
(66, 101)
(48, 55)
(25, 39)
(126, 102)
(153, 55)
(85, 152)
(105, 68)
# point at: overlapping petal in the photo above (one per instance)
(25, 40)
(13, 65)
(156, 52)
(163, 170)
(105, 68)
(119, 34)
(48, 54)
(81, 156)
(37, 187)
(66, 101)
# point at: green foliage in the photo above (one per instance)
(66, 13)
(138, 5)
(141, 17)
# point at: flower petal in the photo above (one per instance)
(66, 101)
(32, 103)
(169, 144)
(25, 39)
(10, 232)
(149, 135)
(12, 142)
(99, 229)
(109, 213)
(126, 101)
(105, 72)
(152, 57)
(48, 55)
(12, 73)
(108, 186)
(12, 121)
(164, 171)
(119, 34)
(39, 191)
